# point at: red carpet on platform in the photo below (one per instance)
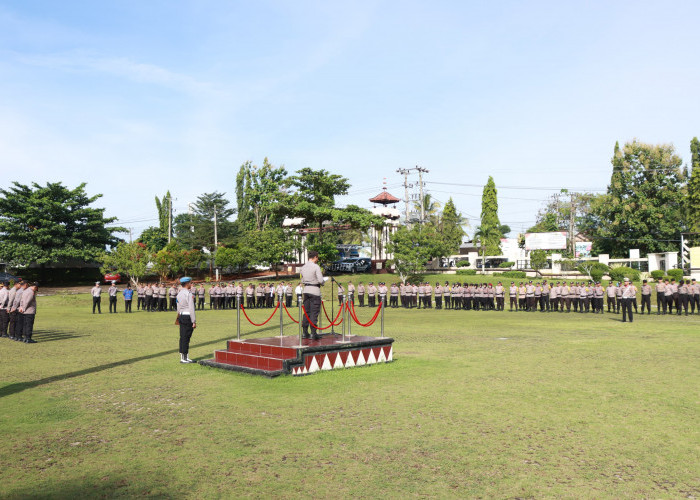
(272, 356)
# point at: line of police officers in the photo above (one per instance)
(158, 297)
(683, 296)
(18, 310)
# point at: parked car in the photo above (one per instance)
(9, 277)
(114, 277)
(362, 265)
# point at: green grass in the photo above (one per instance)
(476, 404)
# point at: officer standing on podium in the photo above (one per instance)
(312, 279)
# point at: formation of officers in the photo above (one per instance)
(159, 297)
(582, 297)
(18, 310)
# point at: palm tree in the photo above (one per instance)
(429, 206)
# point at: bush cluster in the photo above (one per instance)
(514, 274)
(658, 274)
(675, 273)
(467, 272)
(622, 272)
(463, 263)
(506, 264)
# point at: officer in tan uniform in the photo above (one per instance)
(646, 297)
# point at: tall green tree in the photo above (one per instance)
(154, 238)
(451, 228)
(490, 227)
(413, 248)
(195, 230)
(52, 224)
(130, 259)
(164, 206)
(312, 197)
(270, 246)
(643, 206)
(693, 203)
(259, 191)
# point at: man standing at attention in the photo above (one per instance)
(96, 293)
(312, 279)
(187, 317)
(113, 297)
(27, 310)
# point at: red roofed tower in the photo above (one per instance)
(380, 237)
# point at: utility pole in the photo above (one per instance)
(170, 217)
(216, 234)
(572, 223)
(130, 240)
(404, 172)
(422, 199)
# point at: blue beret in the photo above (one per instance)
(185, 279)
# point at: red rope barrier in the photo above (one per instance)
(370, 322)
(264, 322)
(312, 325)
(332, 321)
(287, 311)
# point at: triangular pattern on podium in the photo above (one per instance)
(313, 367)
(371, 360)
(326, 365)
(338, 362)
(361, 359)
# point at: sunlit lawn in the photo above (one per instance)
(476, 404)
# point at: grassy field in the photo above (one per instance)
(476, 404)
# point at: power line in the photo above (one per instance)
(532, 188)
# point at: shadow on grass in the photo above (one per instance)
(22, 386)
(108, 486)
(51, 336)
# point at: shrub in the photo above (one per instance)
(597, 274)
(568, 264)
(514, 274)
(675, 273)
(467, 272)
(658, 274)
(506, 264)
(463, 263)
(622, 272)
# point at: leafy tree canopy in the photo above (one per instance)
(643, 207)
(51, 224)
(490, 233)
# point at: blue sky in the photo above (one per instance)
(138, 97)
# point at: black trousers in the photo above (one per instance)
(312, 305)
(372, 301)
(394, 301)
(173, 303)
(646, 301)
(140, 303)
(18, 325)
(4, 322)
(112, 303)
(513, 303)
(289, 301)
(127, 306)
(660, 303)
(200, 302)
(27, 325)
(611, 303)
(626, 309)
(186, 329)
(361, 299)
(96, 301)
(500, 303)
(694, 302)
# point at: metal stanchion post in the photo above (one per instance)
(279, 304)
(352, 304)
(343, 316)
(238, 320)
(382, 306)
(300, 313)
